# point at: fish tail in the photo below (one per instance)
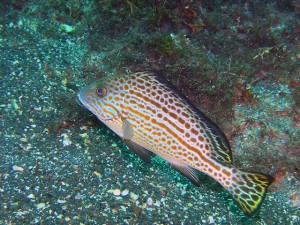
(249, 189)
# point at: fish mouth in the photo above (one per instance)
(79, 101)
(82, 100)
(81, 97)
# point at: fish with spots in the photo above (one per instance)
(154, 119)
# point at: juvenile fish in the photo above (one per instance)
(153, 119)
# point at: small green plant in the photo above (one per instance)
(166, 45)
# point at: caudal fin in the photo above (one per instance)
(249, 189)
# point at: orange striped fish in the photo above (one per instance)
(153, 119)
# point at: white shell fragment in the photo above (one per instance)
(134, 196)
(125, 192)
(117, 192)
(41, 205)
(17, 168)
(61, 201)
(30, 196)
(149, 201)
(66, 140)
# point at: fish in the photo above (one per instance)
(154, 119)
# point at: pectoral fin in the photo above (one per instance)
(128, 131)
(186, 171)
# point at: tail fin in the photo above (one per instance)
(249, 189)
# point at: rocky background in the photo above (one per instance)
(239, 62)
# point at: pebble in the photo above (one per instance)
(24, 140)
(26, 188)
(61, 201)
(84, 127)
(117, 192)
(17, 168)
(125, 192)
(157, 203)
(97, 174)
(15, 104)
(211, 220)
(83, 135)
(41, 205)
(149, 201)
(30, 196)
(134, 196)
(78, 197)
(66, 141)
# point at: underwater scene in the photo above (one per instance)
(145, 112)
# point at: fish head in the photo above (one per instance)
(101, 98)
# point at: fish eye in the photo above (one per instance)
(101, 92)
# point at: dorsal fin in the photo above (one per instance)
(220, 150)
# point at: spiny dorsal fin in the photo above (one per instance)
(220, 151)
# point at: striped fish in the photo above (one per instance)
(153, 119)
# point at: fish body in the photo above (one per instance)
(153, 119)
